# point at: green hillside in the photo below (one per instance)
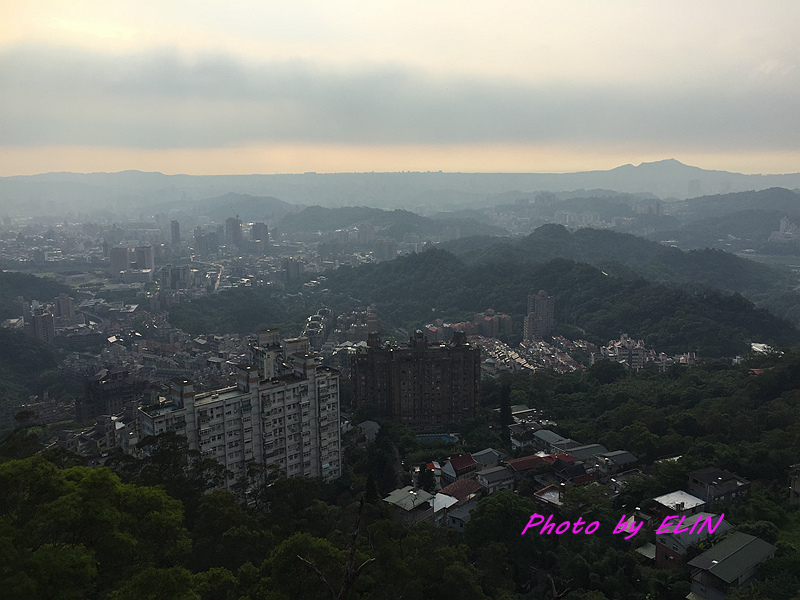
(417, 288)
(631, 257)
(413, 290)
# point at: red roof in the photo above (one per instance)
(525, 463)
(462, 488)
(462, 461)
(554, 457)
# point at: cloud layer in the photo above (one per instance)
(166, 98)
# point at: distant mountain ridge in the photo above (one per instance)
(395, 223)
(419, 191)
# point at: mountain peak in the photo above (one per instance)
(667, 162)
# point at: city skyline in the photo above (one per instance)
(356, 87)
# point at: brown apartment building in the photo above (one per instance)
(421, 385)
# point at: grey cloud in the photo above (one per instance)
(160, 99)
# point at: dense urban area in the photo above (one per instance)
(245, 398)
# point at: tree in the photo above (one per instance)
(225, 535)
(78, 517)
(501, 518)
(174, 583)
(606, 371)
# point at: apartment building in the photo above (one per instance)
(282, 412)
(418, 384)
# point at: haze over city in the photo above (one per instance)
(251, 87)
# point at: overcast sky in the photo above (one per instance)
(207, 87)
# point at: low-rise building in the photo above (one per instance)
(458, 467)
(677, 503)
(496, 478)
(411, 505)
(671, 547)
(609, 463)
(729, 565)
(715, 485)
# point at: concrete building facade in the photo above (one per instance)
(283, 412)
(418, 384)
(540, 320)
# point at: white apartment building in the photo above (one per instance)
(284, 412)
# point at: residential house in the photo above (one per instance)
(441, 504)
(550, 496)
(565, 445)
(496, 478)
(524, 465)
(411, 505)
(458, 517)
(488, 459)
(546, 438)
(463, 490)
(587, 452)
(458, 467)
(715, 485)
(676, 503)
(617, 482)
(729, 565)
(570, 470)
(521, 413)
(671, 547)
(522, 434)
(609, 463)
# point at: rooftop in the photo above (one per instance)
(679, 501)
(408, 498)
(218, 396)
(713, 476)
(461, 461)
(462, 488)
(496, 474)
(734, 556)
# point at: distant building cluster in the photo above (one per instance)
(317, 328)
(356, 325)
(634, 355)
(788, 233)
(43, 320)
(489, 324)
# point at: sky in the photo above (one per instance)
(260, 86)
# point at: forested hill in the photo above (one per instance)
(415, 289)
(772, 199)
(628, 255)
